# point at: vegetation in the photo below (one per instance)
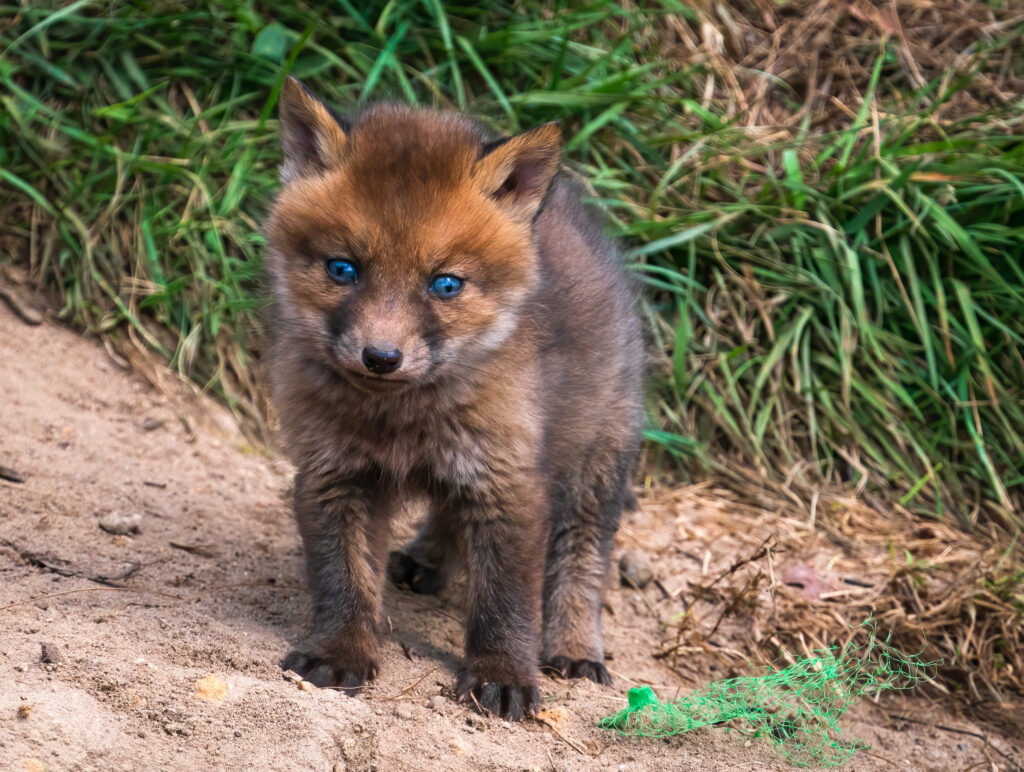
(825, 199)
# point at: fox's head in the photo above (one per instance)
(400, 245)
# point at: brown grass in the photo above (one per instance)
(784, 65)
(779, 582)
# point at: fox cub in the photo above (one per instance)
(449, 320)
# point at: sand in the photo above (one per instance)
(164, 643)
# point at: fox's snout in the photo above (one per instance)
(382, 358)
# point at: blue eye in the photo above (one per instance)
(342, 271)
(446, 285)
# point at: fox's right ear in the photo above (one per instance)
(312, 136)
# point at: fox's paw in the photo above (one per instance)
(405, 571)
(508, 701)
(323, 671)
(564, 667)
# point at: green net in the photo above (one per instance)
(798, 708)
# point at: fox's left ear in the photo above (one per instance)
(312, 136)
(517, 172)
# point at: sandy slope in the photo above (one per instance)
(214, 590)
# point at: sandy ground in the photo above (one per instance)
(210, 588)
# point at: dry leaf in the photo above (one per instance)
(211, 688)
(557, 717)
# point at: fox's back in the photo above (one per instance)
(590, 348)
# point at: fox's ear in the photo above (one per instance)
(517, 172)
(312, 136)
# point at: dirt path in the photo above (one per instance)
(214, 591)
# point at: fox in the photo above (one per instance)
(449, 322)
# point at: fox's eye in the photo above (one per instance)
(342, 271)
(446, 285)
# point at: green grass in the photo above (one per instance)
(835, 308)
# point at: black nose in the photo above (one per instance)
(381, 362)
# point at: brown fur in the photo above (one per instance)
(516, 407)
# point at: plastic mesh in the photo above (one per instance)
(798, 708)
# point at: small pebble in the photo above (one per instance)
(116, 523)
(306, 686)
(634, 570)
(173, 727)
(437, 702)
(9, 474)
(403, 711)
(350, 749)
(51, 654)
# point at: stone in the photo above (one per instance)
(121, 524)
(51, 654)
(634, 570)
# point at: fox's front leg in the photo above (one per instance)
(503, 533)
(344, 526)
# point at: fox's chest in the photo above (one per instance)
(440, 447)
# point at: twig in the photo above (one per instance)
(562, 737)
(642, 596)
(665, 593)
(880, 758)
(479, 708)
(193, 549)
(760, 552)
(145, 591)
(410, 687)
(53, 565)
(90, 589)
(954, 730)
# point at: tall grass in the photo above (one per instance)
(840, 307)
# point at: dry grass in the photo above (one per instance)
(807, 64)
(750, 582)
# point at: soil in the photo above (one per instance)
(157, 648)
